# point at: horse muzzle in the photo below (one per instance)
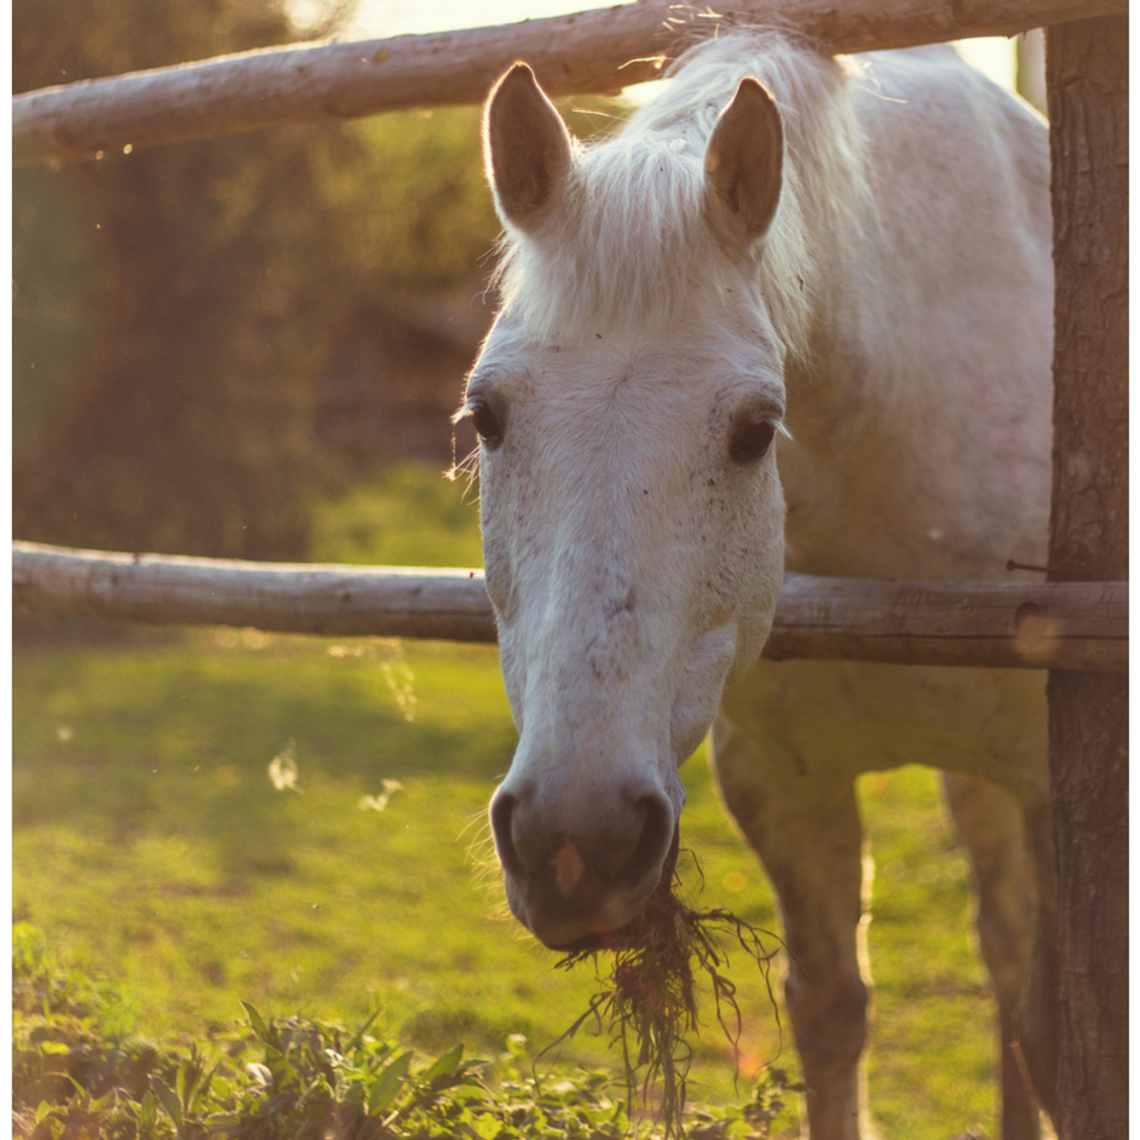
(576, 878)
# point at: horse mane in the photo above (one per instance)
(630, 243)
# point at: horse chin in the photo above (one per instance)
(595, 943)
(575, 928)
(623, 938)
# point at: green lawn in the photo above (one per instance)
(203, 817)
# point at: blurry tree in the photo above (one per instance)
(174, 307)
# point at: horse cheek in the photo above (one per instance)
(763, 569)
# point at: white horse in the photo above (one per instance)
(858, 249)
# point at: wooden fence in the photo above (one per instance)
(1060, 625)
(1074, 623)
(597, 51)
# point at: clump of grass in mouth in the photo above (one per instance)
(649, 1003)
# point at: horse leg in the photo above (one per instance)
(990, 823)
(808, 836)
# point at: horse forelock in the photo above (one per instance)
(629, 245)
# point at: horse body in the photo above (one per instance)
(853, 255)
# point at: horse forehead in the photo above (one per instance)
(619, 415)
(697, 362)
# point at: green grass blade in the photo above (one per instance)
(258, 1023)
(389, 1084)
(168, 1098)
(446, 1065)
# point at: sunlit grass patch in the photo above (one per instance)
(933, 1043)
(407, 515)
(156, 848)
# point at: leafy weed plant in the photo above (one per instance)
(295, 1079)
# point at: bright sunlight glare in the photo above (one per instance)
(376, 19)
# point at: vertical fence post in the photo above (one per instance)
(1087, 82)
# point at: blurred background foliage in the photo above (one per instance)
(213, 340)
(189, 319)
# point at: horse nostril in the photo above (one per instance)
(502, 809)
(654, 841)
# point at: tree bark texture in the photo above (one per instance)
(1087, 79)
(597, 51)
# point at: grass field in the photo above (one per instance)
(202, 817)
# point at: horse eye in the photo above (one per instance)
(487, 424)
(750, 441)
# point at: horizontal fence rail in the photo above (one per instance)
(599, 51)
(1078, 626)
(448, 605)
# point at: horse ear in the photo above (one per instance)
(526, 148)
(744, 165)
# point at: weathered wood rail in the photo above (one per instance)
(602, 50)
(1066, 625)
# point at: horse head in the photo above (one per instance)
(627, 399)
